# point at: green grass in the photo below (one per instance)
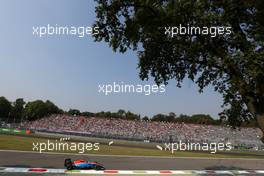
(23, 143)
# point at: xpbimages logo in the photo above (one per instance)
(115, 88)
(212, 31)
(53, 30)
(196, 146)
(64, 145)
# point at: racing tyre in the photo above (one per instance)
(97, 167)
(68, 164)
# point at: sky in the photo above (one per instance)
(68, 70)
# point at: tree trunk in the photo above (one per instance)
(260, 121)
(257, 111)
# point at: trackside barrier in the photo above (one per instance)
(14, 131)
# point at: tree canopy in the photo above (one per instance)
(5, 108)
(233, 64)
(37, 109)
(17, 109)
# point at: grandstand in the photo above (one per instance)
(146, 130)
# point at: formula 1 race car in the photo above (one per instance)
(82, 165)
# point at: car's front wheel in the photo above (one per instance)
(98, 167)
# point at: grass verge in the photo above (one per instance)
(23, 143)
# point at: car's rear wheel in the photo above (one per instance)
(68, 164)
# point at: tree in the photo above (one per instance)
(164, 118)
(74, 112)
(18, 109)
(108, 114)
(233, 64)
(87, 114)
(37, 109)
(131, 116)
(172, 114)
(52, 108)
(159, 118)
(5, 108)
(121, 113)
(100, 114)
(202, 119)
(183, 118)
(145, 118)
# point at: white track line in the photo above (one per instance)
(131, 172)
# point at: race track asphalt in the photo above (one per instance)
(43, 160)
(29, 174)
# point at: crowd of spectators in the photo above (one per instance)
(147, 130)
